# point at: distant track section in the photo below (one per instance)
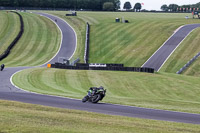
(7, 51)
(69, 38)
(158, 59)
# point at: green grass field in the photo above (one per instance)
(38, 44)
(26, 118)
(159, 91)
(131, 44)
(9, 29)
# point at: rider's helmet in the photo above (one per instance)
(101, 87)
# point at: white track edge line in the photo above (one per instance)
(49, 60)
(60, 41)
(176, 48)
(71, 28)
(164, 43)
(36, 92)
(101, 102)
(62, 36)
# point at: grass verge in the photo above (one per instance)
(159, 91)
(20, 117)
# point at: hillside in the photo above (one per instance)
(38, 44)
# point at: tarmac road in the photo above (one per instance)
(9, 92)
(158, 59)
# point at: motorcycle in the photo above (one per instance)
(95, 95)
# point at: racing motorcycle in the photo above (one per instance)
(95, 94)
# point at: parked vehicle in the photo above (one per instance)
(95, 94)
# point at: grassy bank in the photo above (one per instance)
(194, 69)
(19, 117)
(160, 91)
(132, 43)
(38, 44)
(9, 29)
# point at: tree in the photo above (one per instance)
(164, 8)
(173, 7)
(137, 7)
(108, 6)
(117, 4)
(127, 6)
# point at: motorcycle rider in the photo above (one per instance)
(2, 67)
(93, 90)
(94, 94)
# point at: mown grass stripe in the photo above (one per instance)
(34, 40)
(27, 42)
(9, 30)
(39, 44)
(52, 38)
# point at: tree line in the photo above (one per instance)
(68, 4)
(166, 8)
(136, 8)
(183, 8)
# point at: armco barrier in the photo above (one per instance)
(7, 51)
(86, 56)
(188, 64)
(84, 66)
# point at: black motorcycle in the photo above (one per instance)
(95, 94)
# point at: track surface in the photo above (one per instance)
(9, 92)
(157, 60)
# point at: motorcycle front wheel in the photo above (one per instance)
(85, 99)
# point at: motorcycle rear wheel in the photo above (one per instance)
(96, 98)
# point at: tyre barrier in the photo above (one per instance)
(7, 51)
(109, 67)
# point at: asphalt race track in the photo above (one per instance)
(68, 45)
(157, 60)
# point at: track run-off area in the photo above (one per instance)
(68, 45)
